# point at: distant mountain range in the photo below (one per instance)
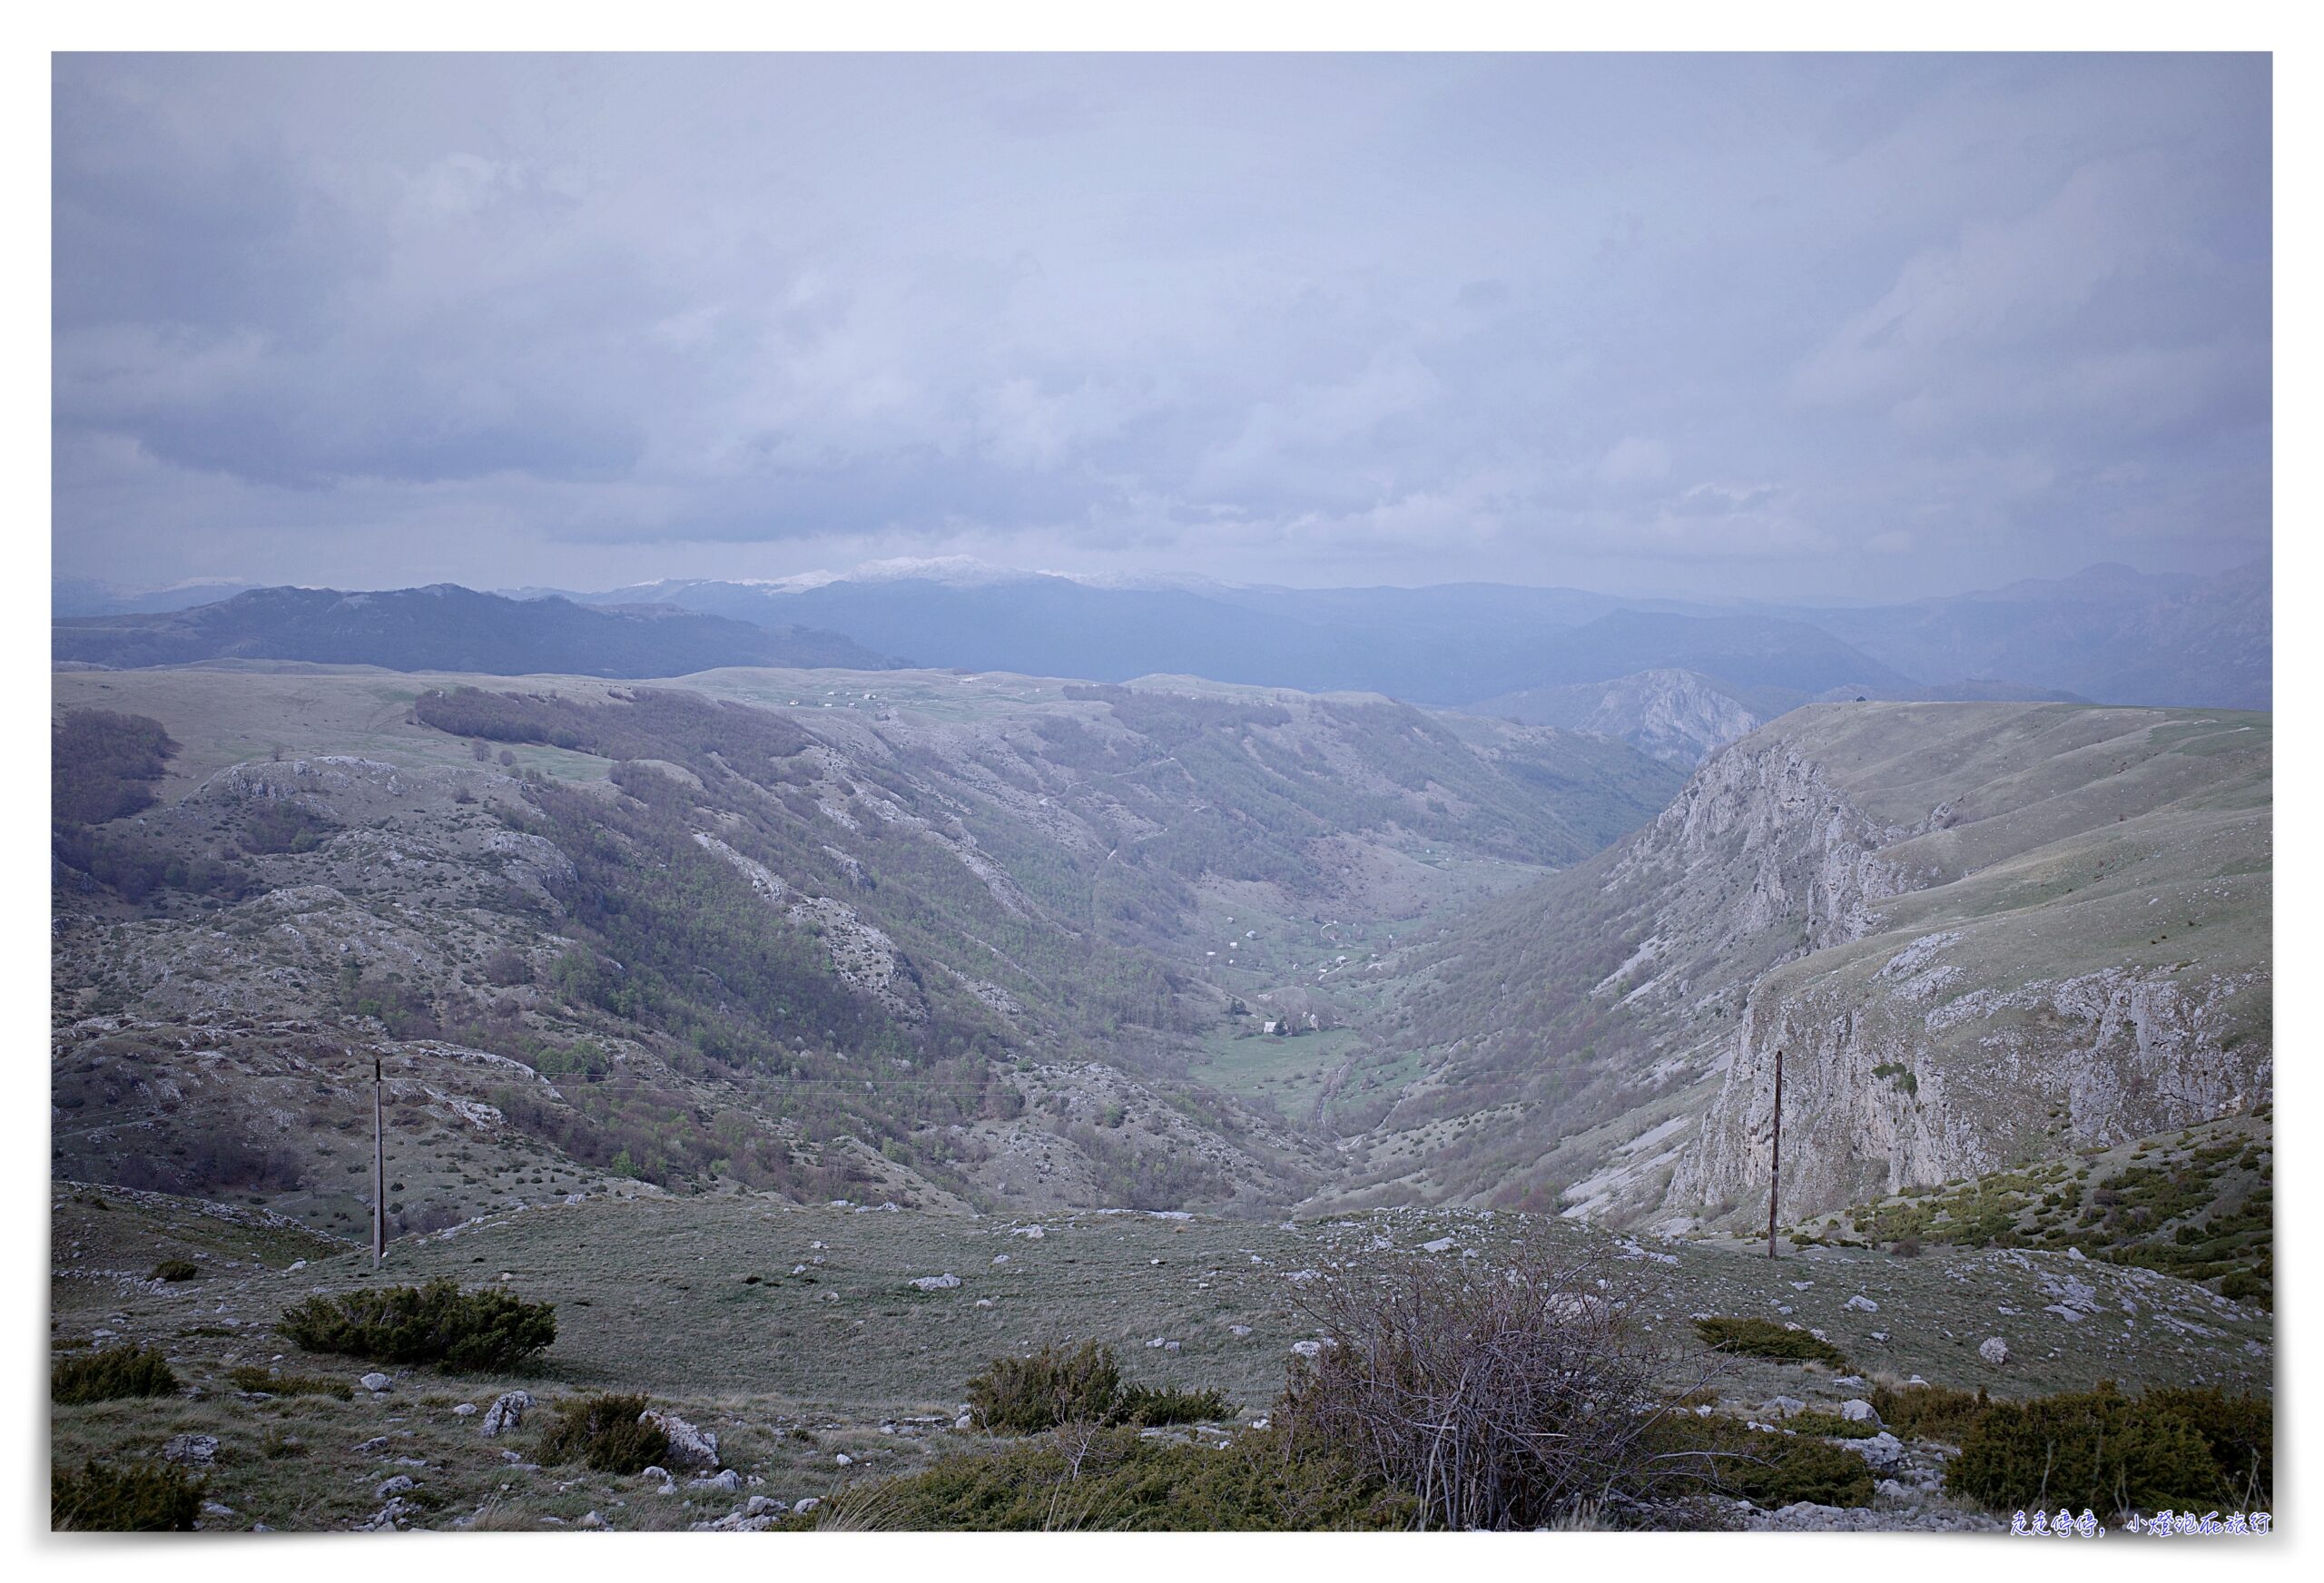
(2110, 633)
(1546, 655)
(1447, 645)
(445, 627)
(84, 596)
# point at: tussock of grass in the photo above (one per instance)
(254, 1377)
(1929, 1411)
(141, 1499)
(604, 1433)
(109, 1375)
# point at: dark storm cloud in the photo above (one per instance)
(1830, 325)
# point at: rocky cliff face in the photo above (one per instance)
(1915, 1080)
(1762, 839)
(1982, 934)
(1678, 716)
(2057, 1011)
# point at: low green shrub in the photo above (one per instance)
(1724, 1456)
(2243, 1285)
(176, 1269)
(604, 1433)
(1831, 1425)
(112, 1374)
(486, 1329)
(1029, 1395)
(1930, 1411)
(1779, 1470)
(258, 1377)
(1111, 1478)
(2240, 1431)
(2116, 1452)
(1051, 1386)
(150, 1498)
(1152, 1405)
(1762, 1337)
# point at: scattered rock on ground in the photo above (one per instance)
(689, 1447)
(199, 1449)
(394, 1513)
(1806, 1517)
(1883, 1453)
(506, 1411)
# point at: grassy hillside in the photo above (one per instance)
(2197, 1204)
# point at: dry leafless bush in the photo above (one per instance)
(1507, 1391)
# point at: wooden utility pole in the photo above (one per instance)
(1775, 1157)
(379, 1165)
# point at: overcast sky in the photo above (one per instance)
(1821, 326)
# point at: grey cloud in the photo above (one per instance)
(1717, 325)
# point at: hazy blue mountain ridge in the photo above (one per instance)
(446, 627)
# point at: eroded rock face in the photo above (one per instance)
(1769, 814)
(1991, 982)
(1895, 1078)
